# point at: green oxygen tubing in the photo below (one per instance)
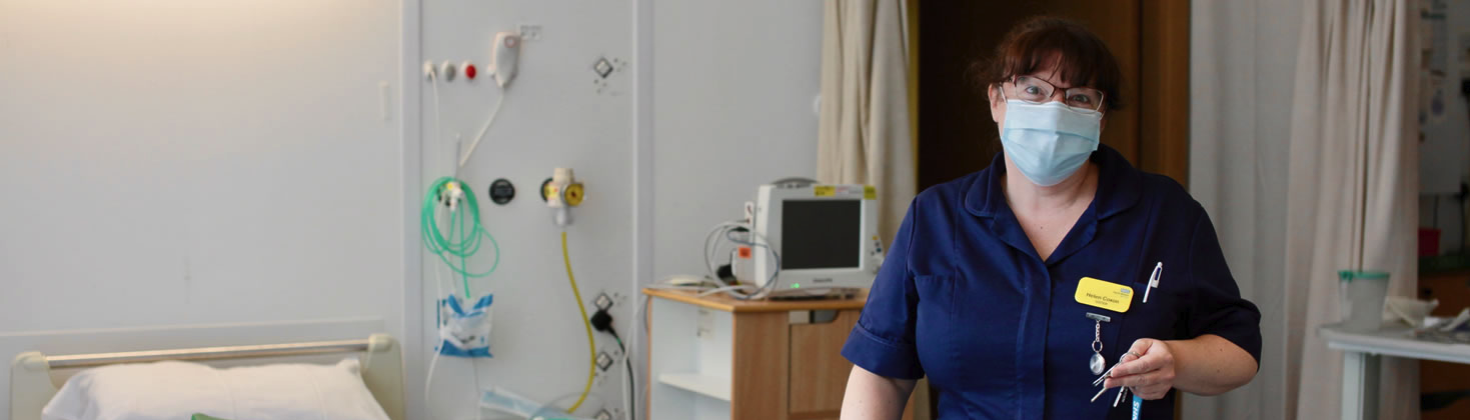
(464, 235)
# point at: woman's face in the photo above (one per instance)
(1002, 92)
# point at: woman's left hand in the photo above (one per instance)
(1147, 369)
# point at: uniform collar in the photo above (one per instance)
(1117, 186)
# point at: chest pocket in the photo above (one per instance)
(935, 321)
(1160, 318)
(966, 332)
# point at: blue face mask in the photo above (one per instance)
(1049, 141)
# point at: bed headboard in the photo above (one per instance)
(31, 385)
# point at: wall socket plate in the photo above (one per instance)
(529, 31)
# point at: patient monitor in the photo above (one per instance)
(825, 236)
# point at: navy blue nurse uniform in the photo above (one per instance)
(965, 299)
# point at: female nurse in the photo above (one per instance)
(1015, 287)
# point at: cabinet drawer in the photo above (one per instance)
(818, 370)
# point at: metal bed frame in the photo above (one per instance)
(31, 386)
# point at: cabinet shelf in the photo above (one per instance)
(715, 358)
(709, 386)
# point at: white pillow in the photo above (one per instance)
(176, 390)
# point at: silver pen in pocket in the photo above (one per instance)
(1153, 280)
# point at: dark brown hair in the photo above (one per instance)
(1082, 59)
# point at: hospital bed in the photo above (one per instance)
(34, 376)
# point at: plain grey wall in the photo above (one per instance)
(734, 86)
(190, 163)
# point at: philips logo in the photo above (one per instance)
(825, 280)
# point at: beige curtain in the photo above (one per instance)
(863, 134)
(863, 131)
(1352, 191)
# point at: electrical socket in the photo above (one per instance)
(603, 302)
(529, 31)
(603, 415)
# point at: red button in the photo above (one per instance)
(469, 71)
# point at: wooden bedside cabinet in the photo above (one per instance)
(716, 357)
(1452, 289)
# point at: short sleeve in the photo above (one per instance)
(883, 340)
(1218, 308)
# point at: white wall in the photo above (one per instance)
(194, 163)
(1242, 67)
(1444, 152)
(734, 85)
(161, 167)
(1444, 155)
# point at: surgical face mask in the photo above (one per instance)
(1049, 141)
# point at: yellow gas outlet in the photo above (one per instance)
(573, 194)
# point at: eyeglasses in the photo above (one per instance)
(1034, 90)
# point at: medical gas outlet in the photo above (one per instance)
(562, 192)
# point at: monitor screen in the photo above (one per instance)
(821, 234)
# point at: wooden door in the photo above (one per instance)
(1150, 38)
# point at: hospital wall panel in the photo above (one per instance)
(184, 163)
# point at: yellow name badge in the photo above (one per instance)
(1098, 293)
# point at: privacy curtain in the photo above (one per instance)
(863, 133)
(1353, 183)
(1301, 151)
(1242, 59)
